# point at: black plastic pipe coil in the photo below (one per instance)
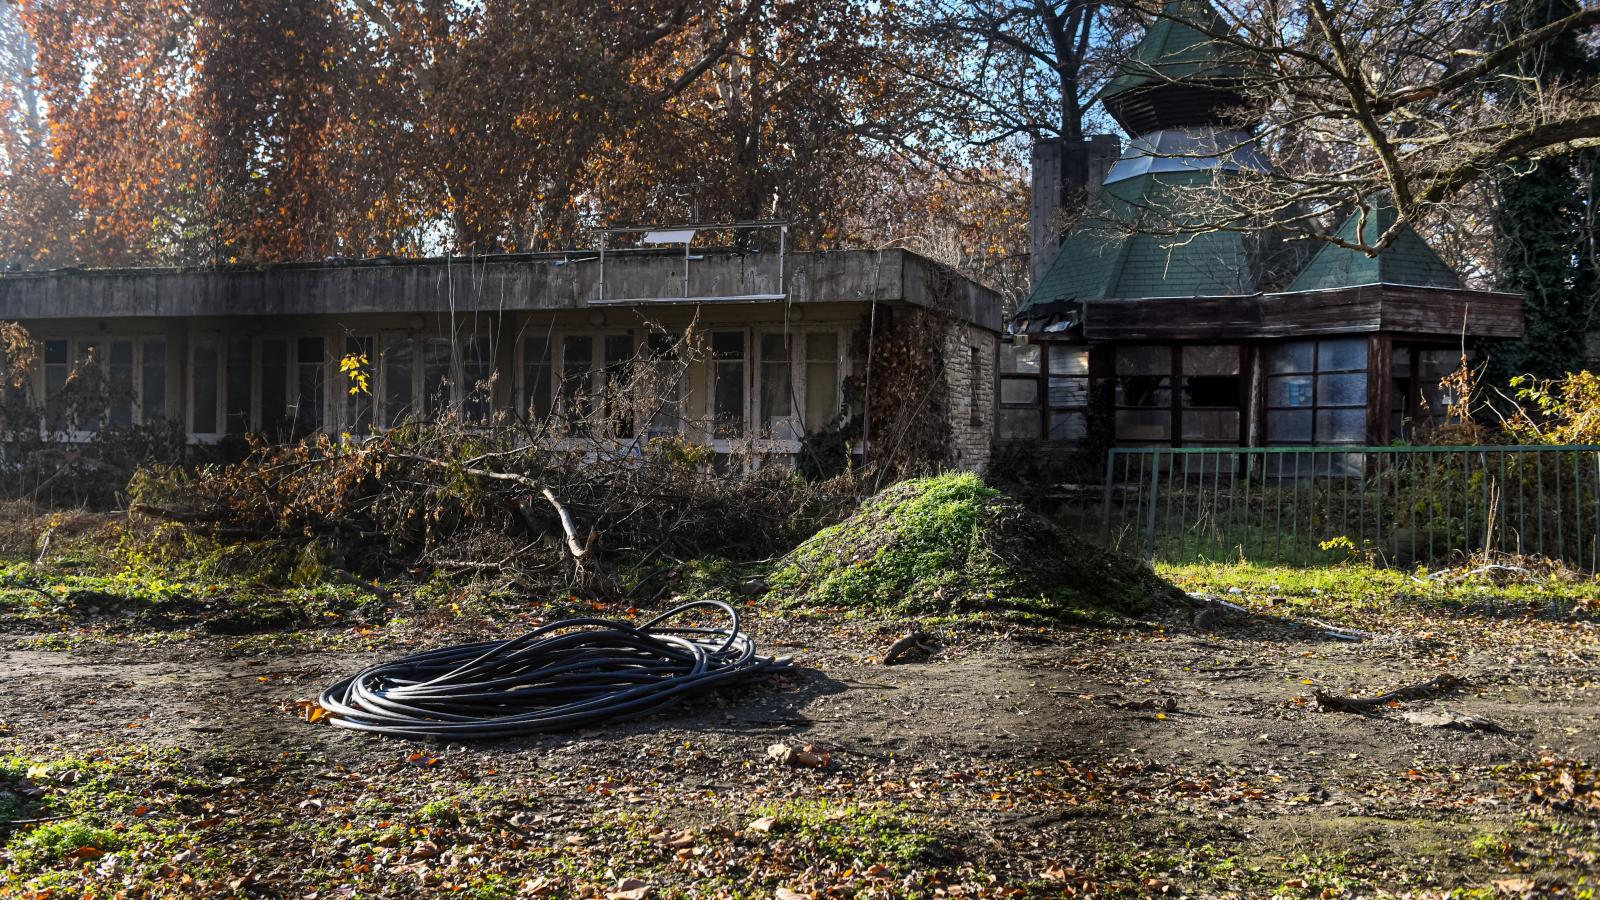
(567, 674)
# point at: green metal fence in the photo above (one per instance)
(1397, 505)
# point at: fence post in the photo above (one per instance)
(1105, 498)
(1155, 488)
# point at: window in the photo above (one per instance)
(822, 380)
(728, 383)
(660, 389)
(477, 379)
(57, 366)
(311, 383)
(1213, 394)
(1317, 392)
(237, 400)
(206, 375)
(120, 384)
(394, 376)
(1144, 394)
(776, 391)
(577, 377)
(436, 380)
(87, 385)
(536, 377)
(276, 416)
(618, 350)
(1067, 392)
(153, 381)
(1019, 391)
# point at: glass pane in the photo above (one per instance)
(536, 377)
(1341, 426)
(311, 356)
(1342, 353)
(89, 375)
(436, 380)
(120, 386)
(1019, 424)
(776, 386)
(1287, 426)
(577, 382)
(274, 386)
(1144, 360)
(1211, 426)
(1297, 356)
(1015, 360)
(1342, 390)
(1068, 426)
(1019, 390)
(1144, 425)
(237, 403)
(153, 384)
(1219, 360)
(822, 346)
(205, 387)
(728, 395)
(822, 394)
(477, 378)
(1289, 391)
(397, 396)
(1069, 392)
(1067, 360)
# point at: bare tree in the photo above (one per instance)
(1410, 102)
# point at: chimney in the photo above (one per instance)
(1045, 214)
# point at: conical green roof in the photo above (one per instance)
(1173, 49)
(1104, 256)
(1408, 260)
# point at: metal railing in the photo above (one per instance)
(1396, 505)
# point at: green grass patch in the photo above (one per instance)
(846, 833)
(952, 545)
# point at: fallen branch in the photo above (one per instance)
(580, 550)
(912, 642)
(353, 581)
(39, 820)
(1434, 687)
(1336, 632)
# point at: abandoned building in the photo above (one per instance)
(778, 344)
(1134, 338)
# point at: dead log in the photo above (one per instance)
(1427, 690)
(913, 642)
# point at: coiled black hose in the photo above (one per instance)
(563, 675)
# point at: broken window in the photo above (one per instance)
(436, 380)
(477, 379)
(536, 377)
(311, 382)
(1144, 394)
(276, 417)
(1213, 394)
(1067, 391)
(728, 383)
(395, 378)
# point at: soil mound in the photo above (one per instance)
(951, 545)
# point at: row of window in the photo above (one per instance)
(776, 383)
(1315, 392)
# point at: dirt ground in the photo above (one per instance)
(1154, 758)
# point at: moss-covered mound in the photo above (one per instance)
(951, 545)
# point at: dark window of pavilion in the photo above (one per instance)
(1317, 392)
(1044, 391)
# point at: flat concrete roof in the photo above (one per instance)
(511, 283)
